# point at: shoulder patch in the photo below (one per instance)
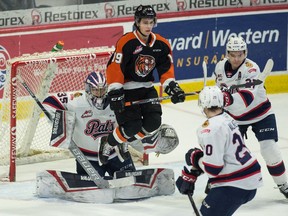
(205, 124)
(249, 64)
(75, 95)
(78, 94)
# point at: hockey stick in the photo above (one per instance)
(246, 85)
(80, 157)
(267, 70)
(261, 78)
(204, 67)
(159, 99)
(193, 204)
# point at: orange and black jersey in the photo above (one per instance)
(133, 60)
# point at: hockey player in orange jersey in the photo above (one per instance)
(130, 78)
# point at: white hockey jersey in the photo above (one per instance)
(226, 160)
(250, 105)
(90, 124)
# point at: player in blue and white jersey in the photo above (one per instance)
(234, 173)
(250, 107)
(94, 119)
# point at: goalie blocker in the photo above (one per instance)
(80, 188)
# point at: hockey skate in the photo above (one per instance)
(122, 151)
(104, 150)
(284, 189)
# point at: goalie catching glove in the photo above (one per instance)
(117, 100)
(173, 89)
(186, 182)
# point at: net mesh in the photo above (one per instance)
(44, 73)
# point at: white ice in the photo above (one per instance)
(19, 198)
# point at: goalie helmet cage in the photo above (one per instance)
(25, 132)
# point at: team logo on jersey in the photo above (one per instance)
(138, 49)
(87, 114)
(144, 64)
(95, 128)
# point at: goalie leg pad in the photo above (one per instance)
(70, 186)
(149, 183)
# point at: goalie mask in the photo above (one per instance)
(96, 89)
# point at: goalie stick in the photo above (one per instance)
(80, 157)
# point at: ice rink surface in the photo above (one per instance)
(19, 198)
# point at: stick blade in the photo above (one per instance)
(267, 70)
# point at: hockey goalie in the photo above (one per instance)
(83, 118)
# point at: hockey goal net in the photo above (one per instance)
(25, 132)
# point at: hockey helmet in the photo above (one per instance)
(236, 44)
(209, 97)
(96, 88)
(145, 11)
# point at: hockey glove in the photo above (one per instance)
(228, 99)
(117, 100)
(192, 157)
(186, 182)
(174, 90)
